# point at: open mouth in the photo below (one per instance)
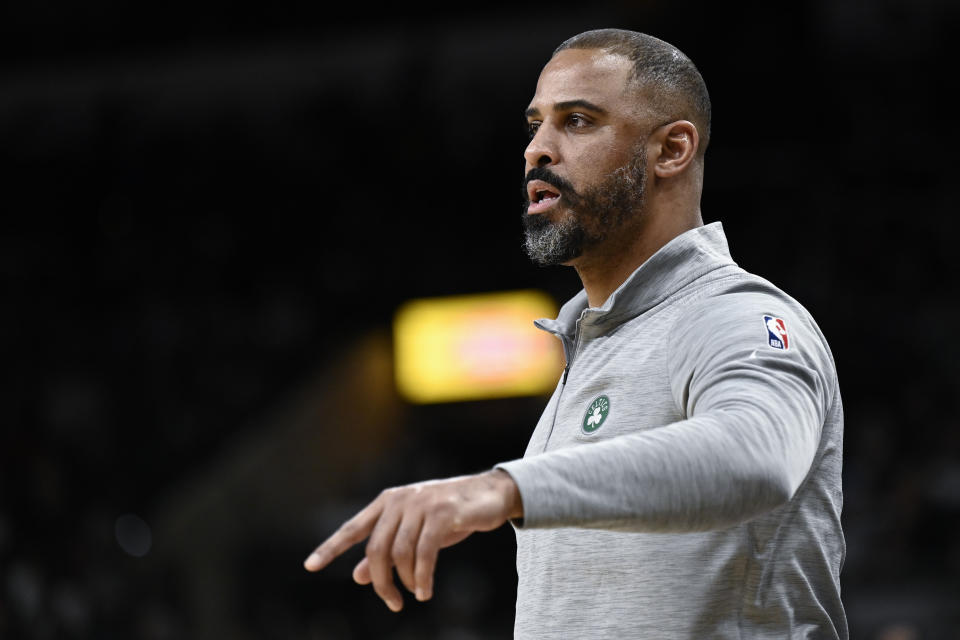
(542, 196)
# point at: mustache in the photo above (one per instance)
(543, 173)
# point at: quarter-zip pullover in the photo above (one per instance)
(684, 479)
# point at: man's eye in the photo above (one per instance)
(577, 121)
(532, 129)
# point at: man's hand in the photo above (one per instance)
(408, 526)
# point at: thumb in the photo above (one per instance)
(361, 572)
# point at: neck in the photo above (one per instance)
(605, 267)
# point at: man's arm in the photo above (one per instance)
(407, 526)
(754, 415)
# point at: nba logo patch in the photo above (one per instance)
(776, 332)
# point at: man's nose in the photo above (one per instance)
(541, 152)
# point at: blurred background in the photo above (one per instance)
(211, 213)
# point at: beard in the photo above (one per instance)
(591, 216)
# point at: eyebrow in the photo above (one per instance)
(566, 105)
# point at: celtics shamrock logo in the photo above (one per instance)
(596, 414)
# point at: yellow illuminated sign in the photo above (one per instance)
(476, 346)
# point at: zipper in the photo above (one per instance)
(556, 408)
(563, 381)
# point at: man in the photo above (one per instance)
(684, 479)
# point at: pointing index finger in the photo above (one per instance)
(350, 533)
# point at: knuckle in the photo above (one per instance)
(402, 552)
(425, 555)
(391, 494)
(438, 504)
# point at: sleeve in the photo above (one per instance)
(754, 414)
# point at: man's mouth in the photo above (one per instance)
(541, 195)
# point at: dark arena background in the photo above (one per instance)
(211, 212)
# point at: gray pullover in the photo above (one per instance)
(684, 479)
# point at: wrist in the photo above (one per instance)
(507, 488)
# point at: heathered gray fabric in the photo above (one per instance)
(707, 504)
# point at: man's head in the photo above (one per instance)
(619, 124)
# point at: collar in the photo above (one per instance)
(689, 256)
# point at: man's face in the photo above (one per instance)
(585, 165)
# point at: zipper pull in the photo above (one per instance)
(566, 370)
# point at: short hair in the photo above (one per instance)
(677, 88)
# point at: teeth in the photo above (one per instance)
(543, 195)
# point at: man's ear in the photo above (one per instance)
(678, 144)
